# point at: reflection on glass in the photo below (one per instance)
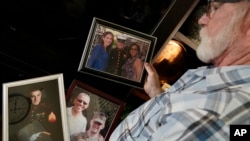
(170, 63)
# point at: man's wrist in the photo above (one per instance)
(156, 92)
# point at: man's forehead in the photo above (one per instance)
(36, 92)
(84, 97)
(225, 1)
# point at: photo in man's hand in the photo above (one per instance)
(116, 53)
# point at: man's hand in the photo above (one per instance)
(152, 84)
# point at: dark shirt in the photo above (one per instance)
(37, 121)
(117, 58)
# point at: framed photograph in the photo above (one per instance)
(35, 109)
(101, 111)
(116, 53)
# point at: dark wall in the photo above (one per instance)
(50, 35)
(42, 37)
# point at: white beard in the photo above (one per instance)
(212, 47)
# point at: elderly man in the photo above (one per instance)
(205, 101)
(76, 120)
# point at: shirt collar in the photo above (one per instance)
(212, 78)
(221, 77)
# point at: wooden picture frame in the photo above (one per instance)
(99, 102)
(33, 108)
(95, 59)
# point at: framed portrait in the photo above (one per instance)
(35, 108)
(116, 53)
(99, 104)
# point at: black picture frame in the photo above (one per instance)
(99, 102)
(98, 27)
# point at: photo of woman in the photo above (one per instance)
(99, 56)
(132, 68)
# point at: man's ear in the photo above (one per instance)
(74, 101)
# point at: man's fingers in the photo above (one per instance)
(150, 69)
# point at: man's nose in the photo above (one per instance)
(203, 20)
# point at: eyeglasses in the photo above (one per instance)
(211, 8)
(81, 101)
